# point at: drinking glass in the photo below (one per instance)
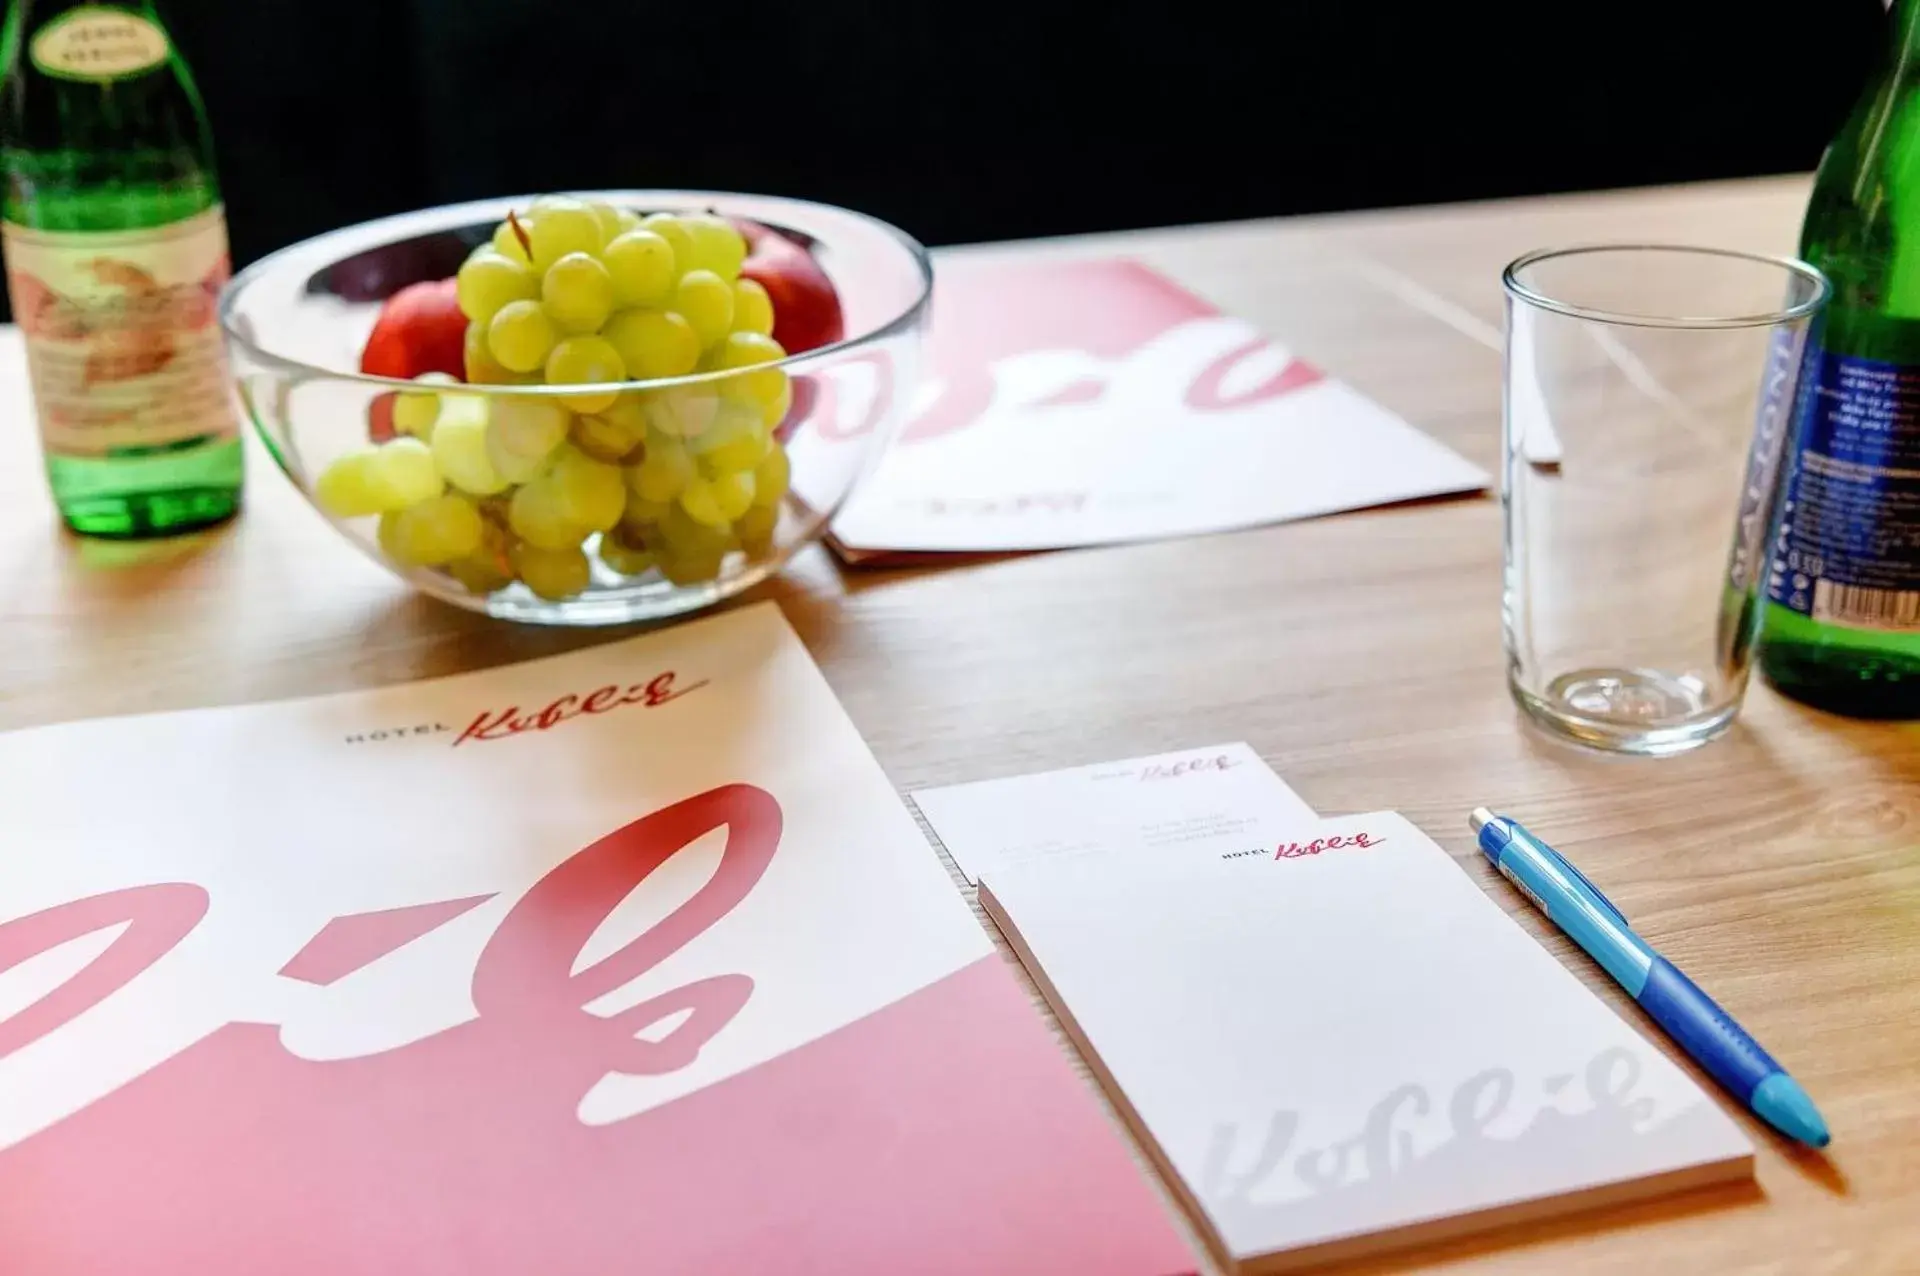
(1649, 391)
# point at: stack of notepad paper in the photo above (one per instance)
(1333, 1041)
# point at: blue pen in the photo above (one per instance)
(1688, 1015)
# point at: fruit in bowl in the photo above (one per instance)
(592, 420)
(578, 293)
(806, 308)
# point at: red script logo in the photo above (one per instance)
(511, 721)
(1336, 842)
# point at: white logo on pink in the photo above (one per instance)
(1087, 401)
(530, 976)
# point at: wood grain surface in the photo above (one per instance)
(1360, 654)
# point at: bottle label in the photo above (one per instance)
(1847, 550)
(122, 345)
(98, 43)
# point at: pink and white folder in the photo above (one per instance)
(1093, 401)
(627, 960)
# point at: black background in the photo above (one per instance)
(995, 118)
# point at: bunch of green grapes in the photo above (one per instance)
(493, 488)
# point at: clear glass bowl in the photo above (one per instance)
(296, 321)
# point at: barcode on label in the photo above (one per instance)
(1858, 605)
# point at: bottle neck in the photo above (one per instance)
(24, 17)
(27, 18)
(100, 125)
(35, 12)
(1903, 31)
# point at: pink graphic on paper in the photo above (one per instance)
(156, 919)
(463, 1152)
(347, 944)
(1109, 309)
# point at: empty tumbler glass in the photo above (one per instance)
(1649, 391)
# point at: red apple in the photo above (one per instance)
(806, 309)
(380, 418)
(420, 329)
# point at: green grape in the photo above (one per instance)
(528, 425)
(414, 411)
(625, 558)
(346, 488)
(737, 441)
(653, 343)
(748, 350)
(561, 226)
(744, 350)
(642, 267)
(754, 529)
(732, 493)
(577, 293)
(771, 476)
(640, 515)
(667, 469)
(687, 550)
(765, 388)
(463, 409)
(774, 411)
(554, 574)
(604, 438)
(702, 504)
(739, 454)
(481, 367)
(752, 307)
(624, 220)
(520, 336)
(488, 280)
(685, 411)
(630, 414)
(674, 231)
(609, 219)
(386, 536)
(375, 480)
(431, 532)
(477, 360)
(460, 445)
(590, 493)
(682, 534)
(507, 243)
(479, 574)
(691, 569)
(717, 246)
(523, 433)
(404, 472)
(536, 516)
(586, 361)
(705, 300)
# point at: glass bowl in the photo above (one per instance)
(296, 322)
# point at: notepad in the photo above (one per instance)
(1342, 1045)
(1190, 802)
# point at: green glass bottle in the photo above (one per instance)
(1841, 627)
(116, 247)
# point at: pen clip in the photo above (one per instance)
(1587, 882)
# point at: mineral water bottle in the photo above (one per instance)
(1841, 628)
(116, 247)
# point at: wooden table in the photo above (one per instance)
(1360, 654)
